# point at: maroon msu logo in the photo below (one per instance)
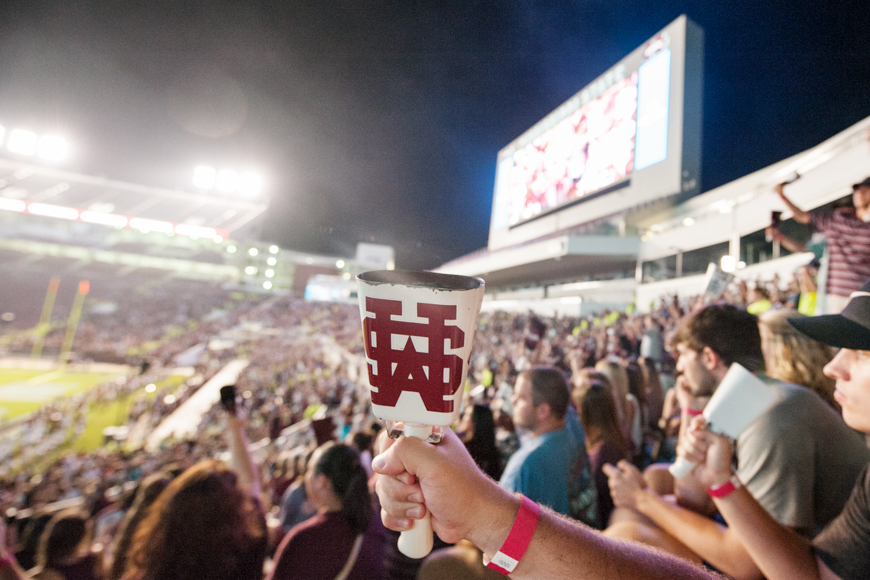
(433, 374)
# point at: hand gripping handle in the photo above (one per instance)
(417, 542)
(682, 467)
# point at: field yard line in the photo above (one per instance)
(39, 379)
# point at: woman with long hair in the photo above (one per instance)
(637, 399)
(207, 523)
(344, 539)
(794, 357)
(479, 438)
(203, 525)
(147, 493)
(655, 394)
(605, 442)
(626, 405)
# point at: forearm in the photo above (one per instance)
(799, 215)
(709, 540)
(562, 548)
(690, 494)
(241, 459)
(779, 552)
(790, 244)
(688, 490)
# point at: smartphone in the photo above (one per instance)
(228, 399)
(775, 218)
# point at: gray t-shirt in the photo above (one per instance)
(844, 546)
(800, 460)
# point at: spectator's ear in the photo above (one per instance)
(711, 360)
(543, 411)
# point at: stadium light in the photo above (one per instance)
(52, 148)
(231, 249)
(270, 273)
(689, 221)
(12, 204)
(250, 184)
(728, 263)
(23, 142)
(253, 251)
(151, 388)
(250, 270)
(309, 261)
(272, 261)
(204, 177)
(55, 211)
(273, 249)
(267, 285)
(339, 264)
(227, 181)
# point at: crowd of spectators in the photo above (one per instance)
(301, 482)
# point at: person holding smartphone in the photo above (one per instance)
(842, 550)
(209, 522)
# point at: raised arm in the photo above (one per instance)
(465, 503)
(800, 215)
(779, 552)
(789, 244)
(241, 459)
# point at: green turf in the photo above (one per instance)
(100, 417)
(113, 414)
(22, 391)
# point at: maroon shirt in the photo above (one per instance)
(601, 453)
(317, 549)
(848, 241)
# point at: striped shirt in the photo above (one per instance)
(848, 250)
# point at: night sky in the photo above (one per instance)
(380, 121)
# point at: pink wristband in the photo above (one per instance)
(724, 490)
(692, 412)
(519, 538)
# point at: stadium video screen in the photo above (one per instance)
(595, 147)
(586, 152)
(630, 137)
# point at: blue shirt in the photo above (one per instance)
(553, 469)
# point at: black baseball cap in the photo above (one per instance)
(865, 183)
(850, 329)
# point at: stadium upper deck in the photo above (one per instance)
(652, 253)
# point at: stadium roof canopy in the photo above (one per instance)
(98, 196)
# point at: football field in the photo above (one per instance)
(23, 391)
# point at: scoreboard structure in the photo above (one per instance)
(631, 137)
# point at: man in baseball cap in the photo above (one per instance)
(842, 549)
